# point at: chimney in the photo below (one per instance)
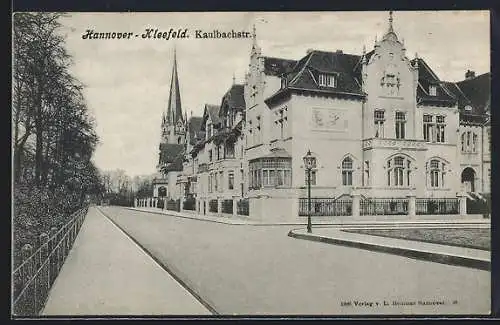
(309, 51)
(339, 52)
(469, 74)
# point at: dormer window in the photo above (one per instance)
(432, 90)
(327, 80)
(468, 108)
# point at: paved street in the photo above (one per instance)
(245, 269)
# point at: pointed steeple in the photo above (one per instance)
(391, 29)
(255, 46)
(390, 34)
(174, 110)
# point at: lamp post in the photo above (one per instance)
(309, 164)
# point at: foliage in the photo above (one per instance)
(53, 133)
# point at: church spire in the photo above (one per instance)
(174, 110)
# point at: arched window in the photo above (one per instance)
(437, 172)
(399, 171)
(347, 171)
(463, 142)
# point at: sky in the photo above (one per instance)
(128, 80)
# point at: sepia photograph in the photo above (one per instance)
(209, 164)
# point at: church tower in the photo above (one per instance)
(173, 124)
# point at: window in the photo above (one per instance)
(221, 187)
(210, 188)
(270, 172)
(469, 142)
(379, 119)
(347, 171)
(216, 181)
(327, 80)
(366, 179)
(399, 171)
(400, 125)
(468, 108)
(440, 126)
(432, 90)
(210, 155)
(437, 171)
(428, 127)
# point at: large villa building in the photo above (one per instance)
(382, 126)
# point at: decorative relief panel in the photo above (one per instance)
(329, 119)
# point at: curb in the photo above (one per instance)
(410, 253)
(333, 224)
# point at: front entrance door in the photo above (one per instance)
(468, 176)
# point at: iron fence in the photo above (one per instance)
(227, 206)
(325, 207)
(213, 206)
(189, 204)
(174, 205)
(436, 206)
(389, 206)
(33, 278)
(243, 207)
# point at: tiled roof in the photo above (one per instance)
(426, 78)
(478, 91)
(236, 97)
(213, 112)
(277, 66)
(306, 72)
(194, 126)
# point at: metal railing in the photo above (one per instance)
(377, 207)
(436, 206)
(325, 207)
(243, 207)
(189, 204)
(227, 206)
(174, 205)
(33, 278)
(213, 206)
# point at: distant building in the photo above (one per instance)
(173, 142)
(380, 124)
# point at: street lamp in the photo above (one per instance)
(309, 164)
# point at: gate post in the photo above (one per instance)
(356, 197)
(462, 203)
(412, 205)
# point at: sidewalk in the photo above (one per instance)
(106, 273)
(460, 256)
(341, 222)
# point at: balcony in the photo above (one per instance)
(376, 143)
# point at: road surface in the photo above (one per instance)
(252, 270)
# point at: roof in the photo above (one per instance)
(306, 72)
(478, 91)
(426, 78)
(169, 151)
(234, 98)
(212, 111)
(277, 66)
(194, 127)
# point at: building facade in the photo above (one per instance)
(380, 125)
